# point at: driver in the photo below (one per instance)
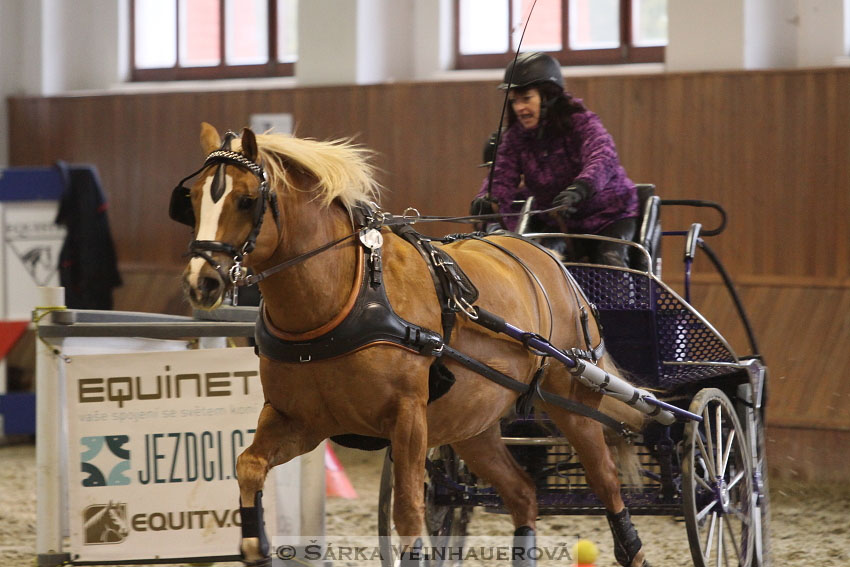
(558, 151)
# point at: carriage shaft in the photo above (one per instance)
(600, 380)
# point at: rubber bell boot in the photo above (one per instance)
(524, 552)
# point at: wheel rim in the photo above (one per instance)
(718, 485)
(445, 524)
(386, 528)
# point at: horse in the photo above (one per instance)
(287, 208)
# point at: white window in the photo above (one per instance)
(576, 32)
(208, 39)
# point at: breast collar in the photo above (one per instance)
(367, 319)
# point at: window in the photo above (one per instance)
(576, 32)
(212, 39)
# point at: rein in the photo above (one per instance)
(237, 275)
(256, 278)
(391, 220)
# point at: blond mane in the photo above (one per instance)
(343, 170)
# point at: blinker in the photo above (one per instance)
(180, 209)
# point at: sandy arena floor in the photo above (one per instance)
(809, 524)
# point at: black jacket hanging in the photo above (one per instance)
(88, 267)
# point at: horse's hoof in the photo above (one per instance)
(250, 548)
(524, 541)
(413, 557)
(639, 560)
(628, 549)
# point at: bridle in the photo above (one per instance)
(181, 211)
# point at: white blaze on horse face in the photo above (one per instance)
(208, 224)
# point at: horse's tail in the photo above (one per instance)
(626, 457)
(624, 452)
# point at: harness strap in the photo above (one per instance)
(442, 285)
(507, 382)
(592, 353)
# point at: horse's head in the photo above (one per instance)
(227, 206)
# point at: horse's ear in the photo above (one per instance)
(210, 140)
(249, 144)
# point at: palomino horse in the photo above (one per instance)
(274, 202)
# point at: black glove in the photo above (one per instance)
(483, 206)
(571, 196)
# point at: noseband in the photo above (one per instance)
(181, 211)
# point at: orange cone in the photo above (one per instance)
(337, 484)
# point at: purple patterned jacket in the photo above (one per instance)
(547, 166)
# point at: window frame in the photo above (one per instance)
(625, 53)
(272, 68)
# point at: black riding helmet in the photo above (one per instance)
(530, 69)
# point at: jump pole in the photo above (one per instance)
(50, 507)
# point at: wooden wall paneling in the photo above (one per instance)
(809, 173)
(807, 455)
(837, 158)
(767, 145)
(793, 204)
(771, 146)
(802, 334)
(144, 140)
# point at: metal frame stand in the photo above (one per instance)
(60, 323)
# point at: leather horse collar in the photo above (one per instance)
(366, 319)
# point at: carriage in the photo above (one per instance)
(710, 472)
(373, 333)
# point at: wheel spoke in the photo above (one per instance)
(707, 419)
(706, 453)
(703, 483)
(736, 479)
(709, 537)
(702, 513)
(727, 452)
(733, 542)
(718, 428)
(719, 540)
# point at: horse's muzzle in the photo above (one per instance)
(203, 286)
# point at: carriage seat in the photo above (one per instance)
(648, 233)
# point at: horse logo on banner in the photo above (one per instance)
(105, 523)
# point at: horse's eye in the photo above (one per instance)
(245, 203)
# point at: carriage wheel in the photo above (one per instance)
(718, 484)
(446, 525)
(753, 420)
(762, 551)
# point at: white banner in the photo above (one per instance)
(30, 254)
(153, 441)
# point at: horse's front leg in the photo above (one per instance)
(487, 456)
(277, 440)
(409, 446)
